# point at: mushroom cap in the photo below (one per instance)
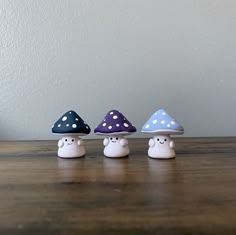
(162, 123)
(71, 123)
(115, 123)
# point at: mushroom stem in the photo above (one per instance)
(70, 147)
(116, 146)
(161, 146)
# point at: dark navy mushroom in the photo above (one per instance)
(115, 123)
(71, 123)
(70, 126)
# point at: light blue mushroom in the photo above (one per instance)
(162, 125)
(162, 122)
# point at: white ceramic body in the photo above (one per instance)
(161, 146)
(70, 147)
(116, 147)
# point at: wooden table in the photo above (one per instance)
(192, 194)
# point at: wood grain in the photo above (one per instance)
(192, 194)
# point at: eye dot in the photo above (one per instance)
(116, 138)
(110, 138)
(158, 139)
(66, 140)
(72, 140)
(165, 139)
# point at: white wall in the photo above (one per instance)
(133, 55)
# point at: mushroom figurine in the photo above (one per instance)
(70, 126)
(162, 125)
(115, 126)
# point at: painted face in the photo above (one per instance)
(69, 140)
(114, 139)
(162, 140)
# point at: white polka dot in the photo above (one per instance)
(74, 125)
(67, 124)
(70, 112)
(104, 120)
(110, 127)
(147, 126)
(117, 125)
(168, 125)
(163, 113)
(87, 127)
(154, 121)
(64, 118)
(59, 125)
(77, 119)
(111, 113)
(155, 114)
(104, 124)
(126, 124)
(172, 123)
(115, 117)
(163, 122)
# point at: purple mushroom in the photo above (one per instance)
(115, 126)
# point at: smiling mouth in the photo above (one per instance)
(70, 144)
(113, 141)
(161, 142)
